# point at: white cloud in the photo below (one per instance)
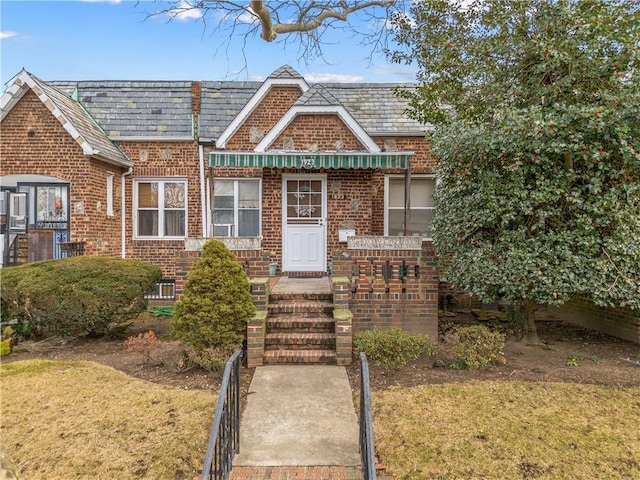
(247, 17)
(7, 34)
(332, 78)
(186, 11)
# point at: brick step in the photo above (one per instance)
(300, 297)
(299, 324)
(273, 357)
(300, 341)
(308, 307)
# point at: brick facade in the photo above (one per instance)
(33, 141)
(163, 160)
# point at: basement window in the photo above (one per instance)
(163, 290)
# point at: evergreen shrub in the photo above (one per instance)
(212, 314)
(75, 296)
(393, 347)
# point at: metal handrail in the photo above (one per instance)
(224, 439)
(11, 255)
(367, 448)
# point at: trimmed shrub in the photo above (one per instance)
(393, 347)
(476, 346)
(76, 295)
(213, 311)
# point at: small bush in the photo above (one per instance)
(393, 347)
(212, 359)
(476, 347)
(142, 344)
(215, 306)
(5, 347)
(176, 356)
(76, 295)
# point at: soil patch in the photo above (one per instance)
(112, 352)
(569, 354)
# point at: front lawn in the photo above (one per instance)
(82, 420)
(508, 430)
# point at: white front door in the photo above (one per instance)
(304, 228)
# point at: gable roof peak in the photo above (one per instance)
(285, 71)
(317, 95)
(69, 112)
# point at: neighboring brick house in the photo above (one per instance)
(140, 168)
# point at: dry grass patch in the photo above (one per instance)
(82, 420)
(499, 430)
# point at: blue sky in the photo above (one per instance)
(114, 40)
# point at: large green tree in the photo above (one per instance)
(536, 113)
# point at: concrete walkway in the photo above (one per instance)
(299, 415)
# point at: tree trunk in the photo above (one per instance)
(523, 316)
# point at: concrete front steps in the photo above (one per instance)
(300, 329)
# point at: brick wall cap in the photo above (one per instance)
(340, 280)
(259, 281)
(259, 317)
(342, 315)
(384, 243)
(235, 244)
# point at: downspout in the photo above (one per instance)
(123, 228)
(203, 198)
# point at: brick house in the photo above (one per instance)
(298, 177)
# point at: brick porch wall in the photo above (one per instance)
(381, 299)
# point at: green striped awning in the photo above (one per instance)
(310, 160)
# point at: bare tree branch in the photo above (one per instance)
(300, 23)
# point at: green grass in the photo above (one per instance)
(508, 430)
(82, 420)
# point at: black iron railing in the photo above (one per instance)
(11, 255)
(224, 439)
(367, 453)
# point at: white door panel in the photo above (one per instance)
(304, 211)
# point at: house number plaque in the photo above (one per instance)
(308, 162)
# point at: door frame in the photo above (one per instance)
(304, 176)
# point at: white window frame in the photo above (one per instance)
(386, 197)
(161, 181)
(236, 198)
(110, 176)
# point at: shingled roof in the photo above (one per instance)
(131, 110)
(317, 95)
(220, 103)
(376, 107)
(72, 115)
(162, 110)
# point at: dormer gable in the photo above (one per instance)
(283, 76)
(317, 100)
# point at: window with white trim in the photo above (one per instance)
(110, 194)
(236, 207)
(421, 207)
(160, 208)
